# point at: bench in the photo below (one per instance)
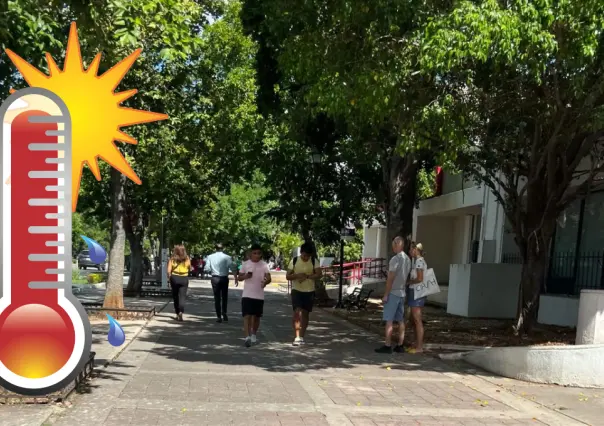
(92, 304)
(358, 299)
(151, 282)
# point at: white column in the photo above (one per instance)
(382, 249)
(493, 220)
(366, 252)
(590, 323)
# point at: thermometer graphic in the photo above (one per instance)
(45, 335)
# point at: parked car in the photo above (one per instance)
(84, 261)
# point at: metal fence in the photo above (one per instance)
(570, 272)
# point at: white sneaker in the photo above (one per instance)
(254, 339)
(297, 341)
(248, 342)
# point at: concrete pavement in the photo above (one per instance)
(198, 372)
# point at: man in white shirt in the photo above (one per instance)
(256, 275)
(394, 295)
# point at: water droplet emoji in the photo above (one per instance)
(116, 335)
(97, 253)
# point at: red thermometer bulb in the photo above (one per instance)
(45, 334)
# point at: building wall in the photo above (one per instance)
(370, 241)
(459, 249)
(375, 241)
(452, 183)
(437, 236)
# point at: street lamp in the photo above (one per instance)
(345, 233)
(315, 156)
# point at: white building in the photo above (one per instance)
(472, 250)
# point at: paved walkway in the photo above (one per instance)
(199, 373)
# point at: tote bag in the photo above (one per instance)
(427, 287)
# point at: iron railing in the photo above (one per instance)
(569, 272)
(354, 272)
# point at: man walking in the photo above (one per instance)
(256, 275)
(394, 295)
(303, 270)
(219, 265)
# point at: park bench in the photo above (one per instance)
(358, 299)
(151, 282)
(92, 304)
(157, 292)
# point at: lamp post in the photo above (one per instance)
(315, 158)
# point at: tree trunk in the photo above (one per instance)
(401, 183)
(135, 231)
(533, 276)
(135, 282)
(114, 295)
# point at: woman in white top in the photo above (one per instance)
(418, 271)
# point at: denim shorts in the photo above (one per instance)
(393, 308)
(412, 301)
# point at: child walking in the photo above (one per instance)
(256, 275)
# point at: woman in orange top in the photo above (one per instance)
(178, 276)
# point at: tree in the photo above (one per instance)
(166, 29)
(237, 219)
(353, 60)
(525, 84)
(210, 95)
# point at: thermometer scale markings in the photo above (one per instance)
(59, 230)
(44, 330)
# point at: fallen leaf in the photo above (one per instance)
(358, 404)
(183, 410)
(388, 368)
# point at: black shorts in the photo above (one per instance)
(303, 300)
(254, 307)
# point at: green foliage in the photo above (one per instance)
(96, 278)
(286, 242)
(351, 63)
(237, 219)
(89, 226)
(353, 250)
(426, 186)
(76, 278)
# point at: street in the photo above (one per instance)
(198, 372)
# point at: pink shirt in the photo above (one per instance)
(252, 287)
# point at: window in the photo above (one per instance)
(577, 256)
(591, 242)
(562, 262)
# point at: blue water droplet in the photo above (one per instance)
(116, 335)
(97, 253)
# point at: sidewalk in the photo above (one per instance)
(199, 373)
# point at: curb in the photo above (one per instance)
(379, 330)
(124, 347)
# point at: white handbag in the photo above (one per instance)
(427, 287)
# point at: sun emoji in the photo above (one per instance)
(96, 114)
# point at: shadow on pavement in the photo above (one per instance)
(331, 344)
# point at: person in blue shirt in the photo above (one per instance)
(219, 265)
